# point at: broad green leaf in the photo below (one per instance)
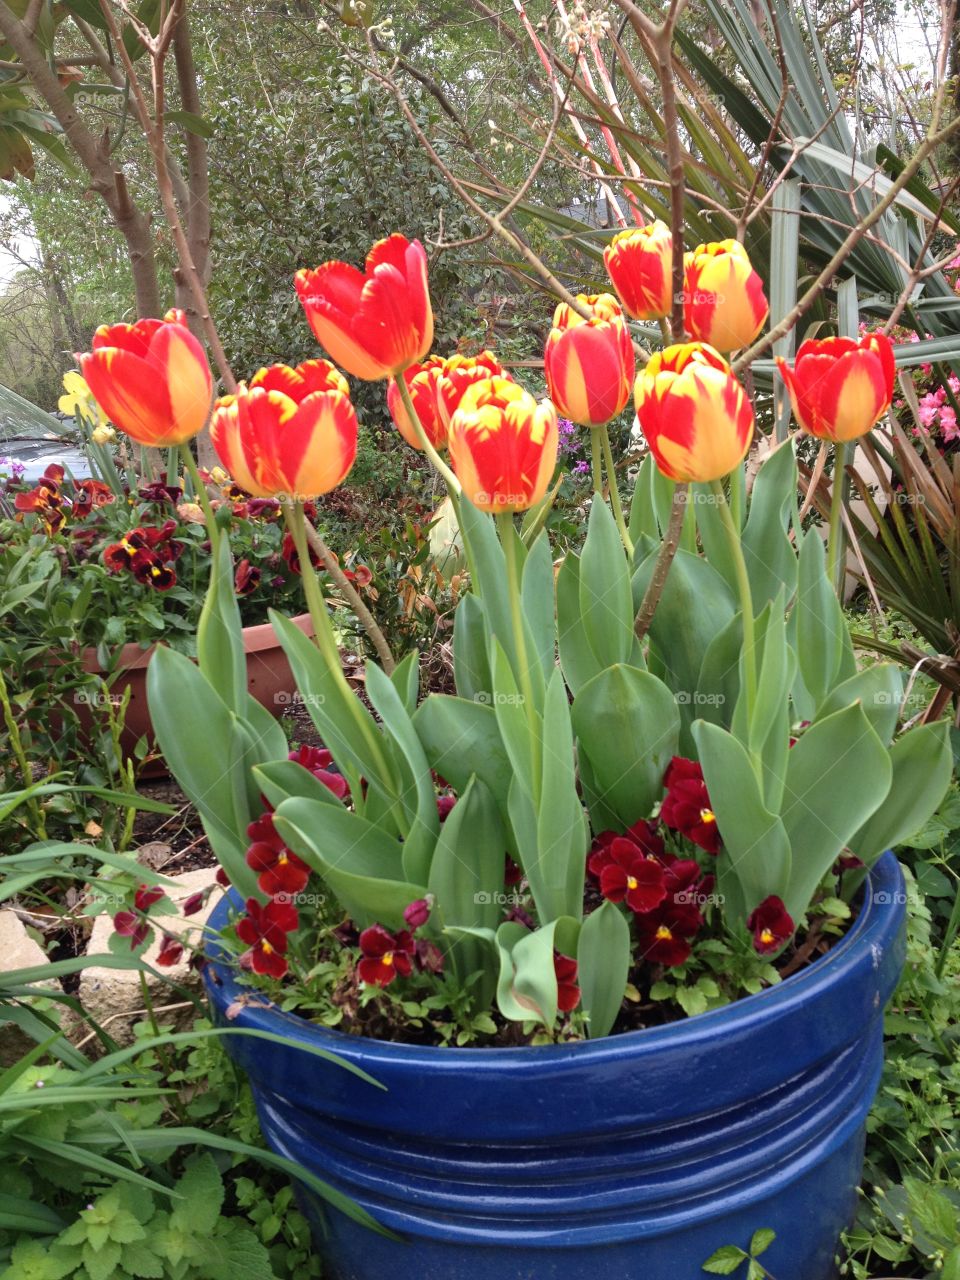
(754, 839)
(922, 763)
(471, 641)
(538, 604)
(603, 957)
(527, 989)
(878, 689)
(462, 738)
(762, 1240)
(562, 832)
(512, 718)
(180, 698)
(838, 774)
(606, 601)
(770, 556)
(360, 863)
(577, 659)
(628, 727)
(725, 1261)
(278, 780)
(819, 629)
(416, 794)
(405, 678)
(220, 634)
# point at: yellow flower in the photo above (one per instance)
(79, 401)
(103, 435)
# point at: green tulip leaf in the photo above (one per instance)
(603, 957)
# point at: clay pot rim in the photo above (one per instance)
(256, 639)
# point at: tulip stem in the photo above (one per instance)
(323, 635)
(453, 484)
(604, 433)
(190, 466)
(746, 596)
(352, 597)
(596, 454)
(665, 333)
(836, 547)
(508, 539)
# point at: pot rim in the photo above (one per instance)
(874, 930)
(133, 657)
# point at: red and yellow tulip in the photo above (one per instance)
(373, 323)
(639, 262)
(460, 372)
(290, 431)
(422, 383)
(589, 364)
(151, 379)
(839, 388)
(723, 299)
(503, 446)
(695, 415)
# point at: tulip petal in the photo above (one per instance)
(180, 360)
(129, 391)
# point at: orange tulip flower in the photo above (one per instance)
(639, 263)
(373, 323)
(290, 432)
(695, 415)
(460, 372)
(151, 379)
(723, 299)
(503, 446)
(839, 388)
(422, 383)
(589, 363)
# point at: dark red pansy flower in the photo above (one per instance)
(88, 495)
(222, 879)
(568, 993)
(512, 874)
(263, 509)
(642, 834)
(445, 806)
(279, 871)
(664, 934)
(849, 862)
(171, 951)
(289, 553)
(417, 913)
(146, 896)
(131, 925)
(319, 762)
(264, 930)
(771, 925)
(632, 876)
(684, 882)
(152, 572)
(429, 956)
(159, 492)
(45, 499)
(246, 579)
(195, 902)
(686, 807)
(346, 933)
(385, 956)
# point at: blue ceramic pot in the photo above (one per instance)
(631, 1158)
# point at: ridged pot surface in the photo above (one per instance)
(640, 1154)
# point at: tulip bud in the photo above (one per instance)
(839, 388)
(503, 446)
(640, 262)
(151, 379)
(695, 415)
(723, 299)
(589, 364)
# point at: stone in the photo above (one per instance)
(114, 996)
(19, 951)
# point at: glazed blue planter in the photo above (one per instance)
(628, 1158)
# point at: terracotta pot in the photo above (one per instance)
(269, 679)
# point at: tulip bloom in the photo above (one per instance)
(422, 383)
(723, 299)
(291, 431)
(694, 413)
(151, 379)
(373, 323)
(503, 446)
(640, 262)
(839, 388)
(589, 364)
(460, 372)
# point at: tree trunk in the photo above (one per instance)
(93, 154)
